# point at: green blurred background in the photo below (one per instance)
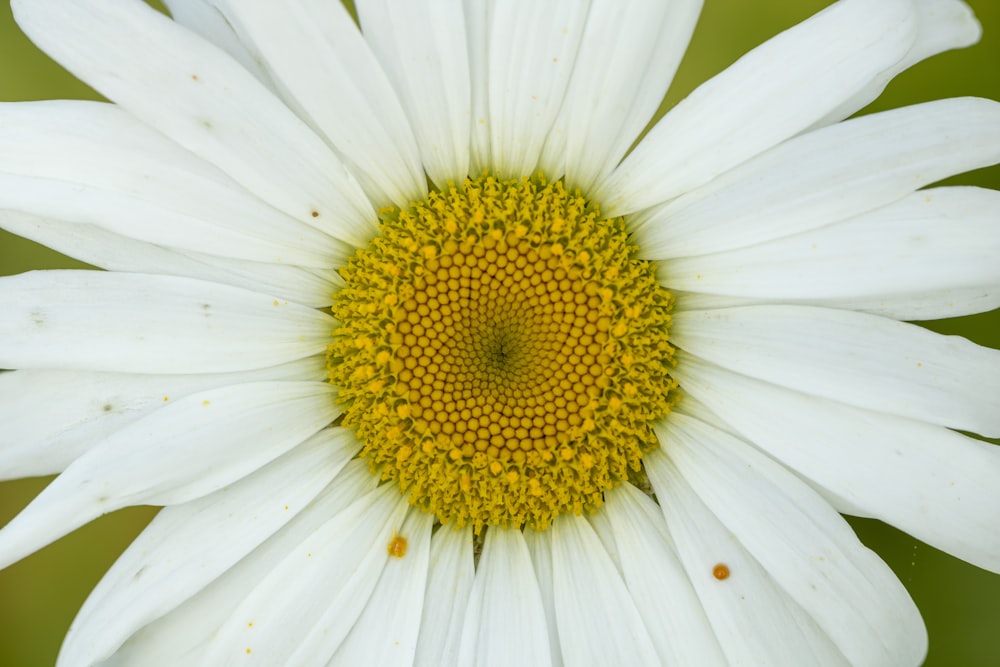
(960, 603)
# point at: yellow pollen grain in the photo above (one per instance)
(486, 347)
(397, 546)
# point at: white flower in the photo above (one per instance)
(233, 190)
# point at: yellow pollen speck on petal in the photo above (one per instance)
(486, 352)
(397, 546)
(721, 571)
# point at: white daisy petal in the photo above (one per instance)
(306, 604)
(423, 50)
(51, 417)
(200, 97)
(802, 542)
(856, 358)
(449, 584)
(774, 92)
(246, 425)
(935, 484)
(754, 619)
(692, 407)
(149, 324)
(477, 46)
(115, 252)
(826, 176)
(657, 581)
(386, 631)
(930, 255)
(186, 546)
(628, 56)
(205, 17)
(505, 621)
(941, 25)
(88, 162)
(324, 70)
(598, 622)
(527, 76)
(540, 548)
(187, 634)
(601, 523)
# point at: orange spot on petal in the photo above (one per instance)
(397, 546)
(721, 571)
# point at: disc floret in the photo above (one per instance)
(501, 352)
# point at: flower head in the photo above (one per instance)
(426, 366)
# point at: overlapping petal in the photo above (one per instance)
(136, 323)
(802, 543)
(187, 546)
(220, 435)
(92, 163)
(863, 360)
(936, 484)
(505, 619)
(422, 48)
(52, 417)
(628, 56)
(930, 255)
(324, 71)
(115, 252)
(826, 176)
(308, 602)
(196, 94)
(774, 92)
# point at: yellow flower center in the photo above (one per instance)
(502, 353)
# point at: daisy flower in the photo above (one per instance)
(426, 366)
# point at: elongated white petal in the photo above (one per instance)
(423, 50)
(601, 523)
(826, 176)
(180, 452)
(856, 358)
(931, 305)
(89, 162)
(149, 324)
(51, 417)
(307, 604)
(657, 582)
(205, 17)
(941, 245)
(802, 543)
(540, 549)
(477, 47)
(941, 25)
(186, 546)
(527, 77)
(196, 94)
(774, 92)
(754, 619)
(628, 56)
(449, 584)
(692, 407)
(505, 621)
(115, 252)
(935, 484)
(598, 622)
(188, 633)
(386, 631)
(324, 70)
